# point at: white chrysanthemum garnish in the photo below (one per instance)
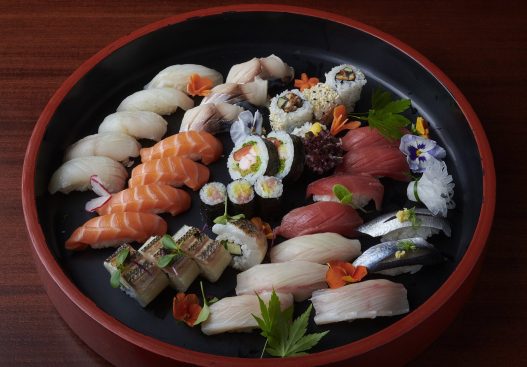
(435, 189)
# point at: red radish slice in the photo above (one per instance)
(98, 187)
(96, 203)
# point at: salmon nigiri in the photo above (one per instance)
(196, 145)
(365, 137)
(114, 229)
(153, 198)
(174, 171)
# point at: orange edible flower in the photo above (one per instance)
(421, 126)
(341, 273)
(340, 122)
(264, 227)
(305, 82)
(199, 86)
(186, 308)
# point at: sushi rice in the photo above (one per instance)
(287, 120)
(348, 90)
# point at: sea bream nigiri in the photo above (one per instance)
(320, 217)
(114, 145)
(357, 139)
(177, 76)
(319, 248)
(270, 67)
(153, 198)
(137, 124)
(253, 92)
(363, 300)
(114, 229)
(377, 161)
(362, 187)
(163, 101)
(196, 145)
(175, 171)
(211, 117)
(300, 278)
(235, 314)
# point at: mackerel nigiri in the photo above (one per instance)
(163, 101)
(137, 124)
(300, 278)
(196, 145)
(114, 229)
(322, 216)
(363, 188)
(378, 161)
(357, 139)
(174, 171)
(153, 198)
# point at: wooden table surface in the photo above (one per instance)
(480, 45)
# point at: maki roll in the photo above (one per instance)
(241, 198)
(289, 109)
(251, 158)
(269, 191)
(181, 271)
(291, 155)
(348, 81)
(246, 243)
(212, 199)
(324, 98)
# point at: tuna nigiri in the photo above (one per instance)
(137, 124)
(231, 314)
(363, 188)
(163, 101)
(174, 171)
(300, 278)
(378, 161)
(212, 117)
(114, 229)
(364, 300)
(196, 145)
(153, 198)
(365, 137)
(114, 145)
(322, 216)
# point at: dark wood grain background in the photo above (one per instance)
(482, 47)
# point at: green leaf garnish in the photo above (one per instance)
(406, 246)
(412, 217)
(168, 242)
(205, 310)
(115, 280)
(342, 194)
(225, 218)
(120, 258)
(166, 260)
(285, 338)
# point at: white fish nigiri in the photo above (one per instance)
(363, 300)
(270, 67)
(234, 314)
(253, 92)
(114, 145)
(318, 248)
(76, 173)
(163, 101)
(177, 76)
(138, 124)
(300, 278)
(210, 117)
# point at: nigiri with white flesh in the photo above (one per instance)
(235, 314)
(210, 117)
(270, 67)
(363, 300)
(163, 101)
(137, 124)
(300, 278)
(177, 76)
(115, 145)
(253, 92)
(318, 248)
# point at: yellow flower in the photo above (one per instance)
(421, 126)
(316, 128)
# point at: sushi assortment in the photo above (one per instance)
(288, 137)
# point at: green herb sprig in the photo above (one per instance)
(205, 310)
(385, 114)
(168, 243)
(343, 194)
(225, 218)
(406, 245)
(115, 279)
(285, 338)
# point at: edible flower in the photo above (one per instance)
(264, 227)
(420, 152)
(316, 128)
(186, 308)
(305, 82)
(199, 86)
(421, 128)
(246, 124)
(341, 273)
(435, 189)
(340, 122)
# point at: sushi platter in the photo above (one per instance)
(210, 193)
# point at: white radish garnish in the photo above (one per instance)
(96, 203)
(98, 186)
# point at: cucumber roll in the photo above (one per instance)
(289, 109)
(291, 155)
(348, 81)
(269, 192)
(251, 158)
(212, 196)
(241, 198)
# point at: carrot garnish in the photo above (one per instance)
(305, 82)
(340, 122)
(199, 86)
(264, 227)
(341, 273)
(186, 308)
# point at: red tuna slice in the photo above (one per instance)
(365, 137)
(363, 187)
(320, 217)
(377, 161)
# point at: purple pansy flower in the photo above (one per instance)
(246, 125)
(420, 152)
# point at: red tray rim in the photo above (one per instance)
(394, 331)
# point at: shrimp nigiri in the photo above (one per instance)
(174, 171)
(137, 124)
(153, 198)
(114, 229)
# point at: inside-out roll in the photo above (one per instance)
(289, 109)
(348, 81)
